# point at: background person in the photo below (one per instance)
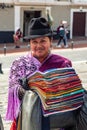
(17, 38)
(62, 32)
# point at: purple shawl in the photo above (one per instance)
(23, 67)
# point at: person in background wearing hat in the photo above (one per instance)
(40, 58)
(62, 32)
(17, 38)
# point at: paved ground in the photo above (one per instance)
(78, 56)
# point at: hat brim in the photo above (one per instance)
(37, 36)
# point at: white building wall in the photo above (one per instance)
(12, 1)
(42, 0)
(82, 1)
(6, 1)
(36, 1)
(7, 19)
(17, 18)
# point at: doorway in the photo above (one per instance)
(79, 20)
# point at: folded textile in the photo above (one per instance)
(60, 90)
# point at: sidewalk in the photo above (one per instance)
(10, 48)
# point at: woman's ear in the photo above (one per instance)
(51, 45)
(51, 42)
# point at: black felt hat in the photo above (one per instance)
(38, 27)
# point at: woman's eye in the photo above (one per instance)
(43, 41)
(40, 42)
(34, 42)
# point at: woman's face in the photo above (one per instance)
(40, 47)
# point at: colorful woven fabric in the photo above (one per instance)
(60, 90)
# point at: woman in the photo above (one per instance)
(62, 35)
(40, 58)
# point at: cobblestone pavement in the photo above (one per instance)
(78, 57)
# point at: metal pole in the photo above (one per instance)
(72, 44)
(5, 48)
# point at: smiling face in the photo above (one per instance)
(40, 47)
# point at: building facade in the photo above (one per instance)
(16, 14)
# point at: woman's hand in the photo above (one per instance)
(24, 83)
(24, 86)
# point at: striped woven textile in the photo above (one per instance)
(60, 90)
